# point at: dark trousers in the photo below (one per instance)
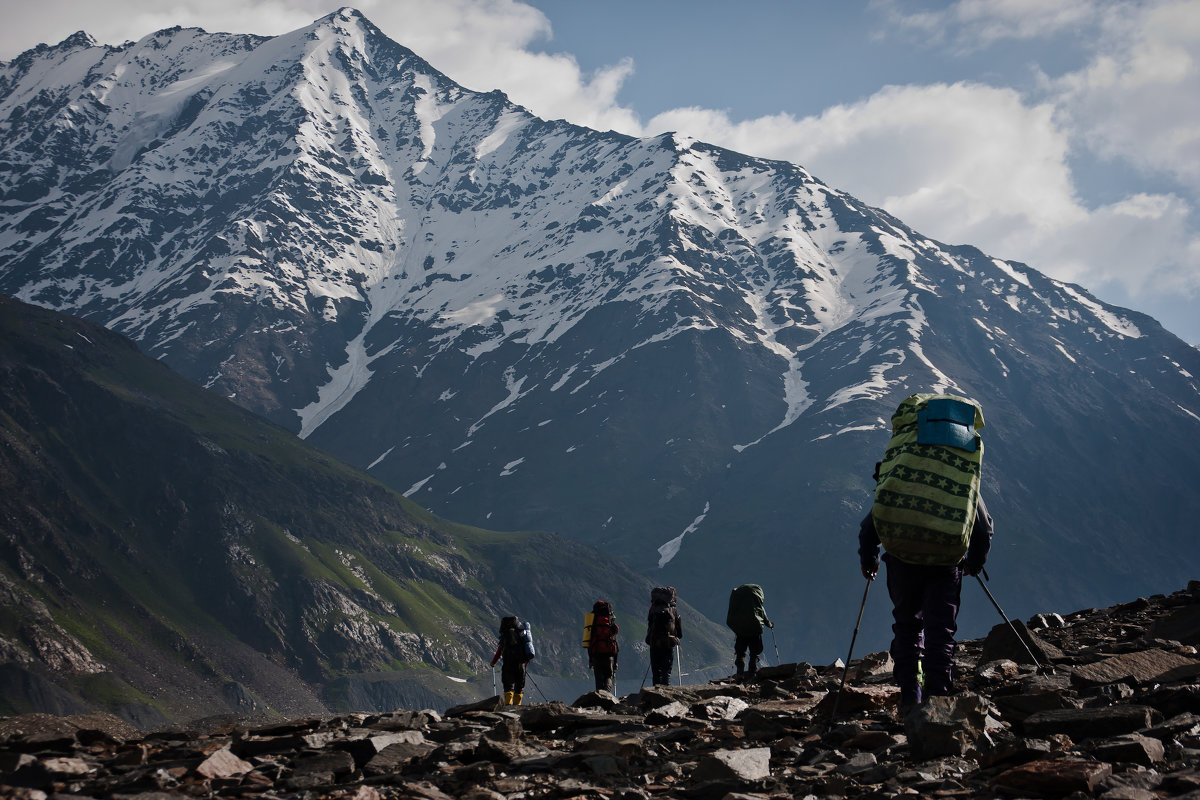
(605, 670)
(661, 661)
(512, 673)
(925, 602)
(743, 643)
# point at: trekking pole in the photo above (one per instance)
(495, 688)
(1016, 633)
(679, 665)
(772, 629)
(539, 689)
(837, 700)
(644, 675)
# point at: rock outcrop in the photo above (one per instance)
(1114, 714)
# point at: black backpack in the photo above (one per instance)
(660, 624)
(664, 595)
(511, 641)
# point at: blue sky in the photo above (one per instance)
(1061, 133)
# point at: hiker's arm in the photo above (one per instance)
(678, 626)
(868, 548)
(760, 614)
(981, 540)
(496, 657)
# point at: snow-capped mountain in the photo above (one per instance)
(685, 355)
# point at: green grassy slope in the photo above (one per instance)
(168, 555)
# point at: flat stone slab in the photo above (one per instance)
(1054, 778)
(223, 764)
(751, 764)
(1130, 749)
(1143, 666)
(1089, 723)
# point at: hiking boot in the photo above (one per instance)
(517, 698)
(908, 701)
(508, 698)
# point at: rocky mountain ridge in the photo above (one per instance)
(682, 355)
(1113, 711)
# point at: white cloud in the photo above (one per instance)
(1137, 99)
(968, 163)
(51, 21)
(965, 163)
(486, 45)
(1142, 244)
(972, 25)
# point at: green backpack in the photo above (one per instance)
(746, 614)
(928, 487)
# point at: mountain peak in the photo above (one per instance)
(348, 16)
(78, 39)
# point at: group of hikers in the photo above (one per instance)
(664, 630)
(927, 515)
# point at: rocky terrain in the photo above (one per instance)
(1113, 711)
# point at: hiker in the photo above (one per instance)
(601, 641)
(934, 527)
(664, 629)
(516, 648)
(746, 618)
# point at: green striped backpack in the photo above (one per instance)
(928, 486)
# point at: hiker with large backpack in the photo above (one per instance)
(934, 527)
(600, 638)
(664, 629)
(516, 648)
(746, 617)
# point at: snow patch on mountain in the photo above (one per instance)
(1011, 272)
(344, 382)
(382, 456)
(513, 385)
(669, 550)
(1113, 322)
(508, 122)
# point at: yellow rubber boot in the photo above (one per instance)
(517, 698)
(508, 698)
